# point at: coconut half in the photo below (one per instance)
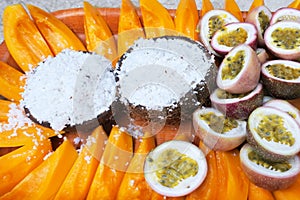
(69, 89)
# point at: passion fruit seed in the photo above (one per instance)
(271, 128)
(286, 38)
(174, 167)
(222, 94)
(284, 72)
(264, 21)
(288, 18)
(219, 124)
(215, 23)
(293, 115)
(233, 38)
(233, 65)
(275, 166)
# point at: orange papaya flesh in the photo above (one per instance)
(58, 35)
(113, 165)
(130, 27)
(295, 4)
(291, 193)
(23, 39)
(256, 3)
(156, 19)
(187, 9)
(206, 6)
(256, 192)
(79, 178)
(232, 7)
(4, 110)
(99, 37)
(11, 82)
(44, 181)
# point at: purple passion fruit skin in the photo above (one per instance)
(260, 17)
(237, 106)
(210, 23)
(274, 133)
(285, 14)
(283, 40)
(233, 34)
(217, 131)
(262, 55)
(281, 78)
(268, 174)
(239, 71)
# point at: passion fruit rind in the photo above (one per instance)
(285, 14)
(237, 106)
(268, 147)
(268, 174)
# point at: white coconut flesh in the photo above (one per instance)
(157, 159)
(232, 28)
(290, 65)
(269, 171)
(289, 125)
(285, 14)
(156, 73)
(69, 89)
(204, 25)
(232, 132)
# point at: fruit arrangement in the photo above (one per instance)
(71, 127)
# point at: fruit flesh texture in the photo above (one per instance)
(264, 21)
(283, 71)
(222, 94)
(232, 38)
(215, 23)
(233, 65)
(286, 38)
(219, 124)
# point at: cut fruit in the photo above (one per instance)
(232, 7)
(268, 174)
(237, 106)
(255, 193)
(239, 71)
(281, 78)
(255, 4)
(285, 14)
(262, 55)
(217, 131)
(273, 133)
(206, 7)
(232, 35)
(175, 168)
(290, 193)
(282, 39)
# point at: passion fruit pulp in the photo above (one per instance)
(285, 14)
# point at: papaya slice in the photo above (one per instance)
(10, 82)
(130, 27)
(98, 35)
(156, 19)
(295, 4)
(187, 9)
(291, 193)
(113, 165)
(58, 35)
(24, 41)
(206, 6)
(232, 7)
(134, 185)
(79, 178)
(256, 192)
(15, 165)
(44, 181)
(256, 3)
(4, 110)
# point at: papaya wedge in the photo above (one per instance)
(187, 9)
(58, 35)
(113, 165)
(295, 4)
(15, 165)
(23, 39)
(98, 35)
(128, 32)
(232, 7)
(156, 19)
(256, 3)
(256, 192)
(4, 110)
(79, 178)
(206, 6)
(44, 181)
(291, 193)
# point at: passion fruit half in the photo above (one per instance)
(232, 35)
(283, 39)
(274, 133)
(175, 168)
(239, 71)
(217, 131)
(268, 174)
(281, 78)
(237, 106)
(285, 14)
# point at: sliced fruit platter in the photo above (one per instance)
(150, 103)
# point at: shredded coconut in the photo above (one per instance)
(70, 88)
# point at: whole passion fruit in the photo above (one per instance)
(274, 133)
(232, 35)
(217, 131)
(260, 17)
(210, 23)
(281, 78)
(285, 14)
(175, 168)
(268, 174)
(283, 39)
(237, 106)
(239, 71)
